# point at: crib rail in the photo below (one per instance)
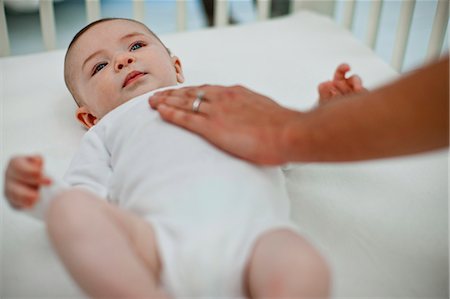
(4, 40)
(438, 31)
(221, 17)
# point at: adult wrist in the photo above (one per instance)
(294, 140)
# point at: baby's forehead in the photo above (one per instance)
(103, 34)
(109, 32)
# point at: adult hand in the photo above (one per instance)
(244, 123)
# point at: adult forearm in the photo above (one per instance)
(405, 117)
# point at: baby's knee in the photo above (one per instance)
(284, 264)
(306, 272)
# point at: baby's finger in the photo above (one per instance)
(38, 161)
(326, 90)
(40, 181)
(26, 164)
(22, 167)
(341, 70)
(27, 173)
(356, 83)
(21, 195)
(35, 160)
(343, 87)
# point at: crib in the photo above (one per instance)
(221, 18)
(382, 224)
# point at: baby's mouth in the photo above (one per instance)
(131, 77)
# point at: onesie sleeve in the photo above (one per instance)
(90, 168)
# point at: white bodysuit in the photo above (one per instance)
(206, 207)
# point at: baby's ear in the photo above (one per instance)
(178, 69)
(85, 117)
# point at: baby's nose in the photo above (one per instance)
(121, 63)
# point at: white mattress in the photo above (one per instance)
(382, 224)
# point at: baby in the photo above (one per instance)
(148, 210)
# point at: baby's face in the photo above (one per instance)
(115, 61)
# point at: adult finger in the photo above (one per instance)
(185, 93)
(341, 70)
(189, 91)
(181, 102)
(192, 91)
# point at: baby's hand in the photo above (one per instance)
(23, 179)
(340, 85)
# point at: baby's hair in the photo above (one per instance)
(80, 33)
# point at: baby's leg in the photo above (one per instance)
(284, 265)
(109, 252)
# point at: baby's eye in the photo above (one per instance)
(136, 46)
(98, 68)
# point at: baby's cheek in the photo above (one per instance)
(108, 92)
(105, 89)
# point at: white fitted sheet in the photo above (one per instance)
(382, 224)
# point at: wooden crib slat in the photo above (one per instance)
(263, 9)
(181, 15)
(92, 10)
(349, 14)
(4, 38)
(296, 5)
(438, 31)
(325, 7)
(139, 10)
(374, 22)
(221, 13)
(48, 28)
(402, 36)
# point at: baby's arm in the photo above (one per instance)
(28, 189)
(24, 177)
(340, 85)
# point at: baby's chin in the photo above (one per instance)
(132, 93)
(135, 92)
(139, 91)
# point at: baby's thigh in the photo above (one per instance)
(77, 205)
(141, 236)
(283, 263)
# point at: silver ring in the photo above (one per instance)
(198, 100)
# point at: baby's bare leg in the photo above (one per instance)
(284, 265)
(109, 252)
